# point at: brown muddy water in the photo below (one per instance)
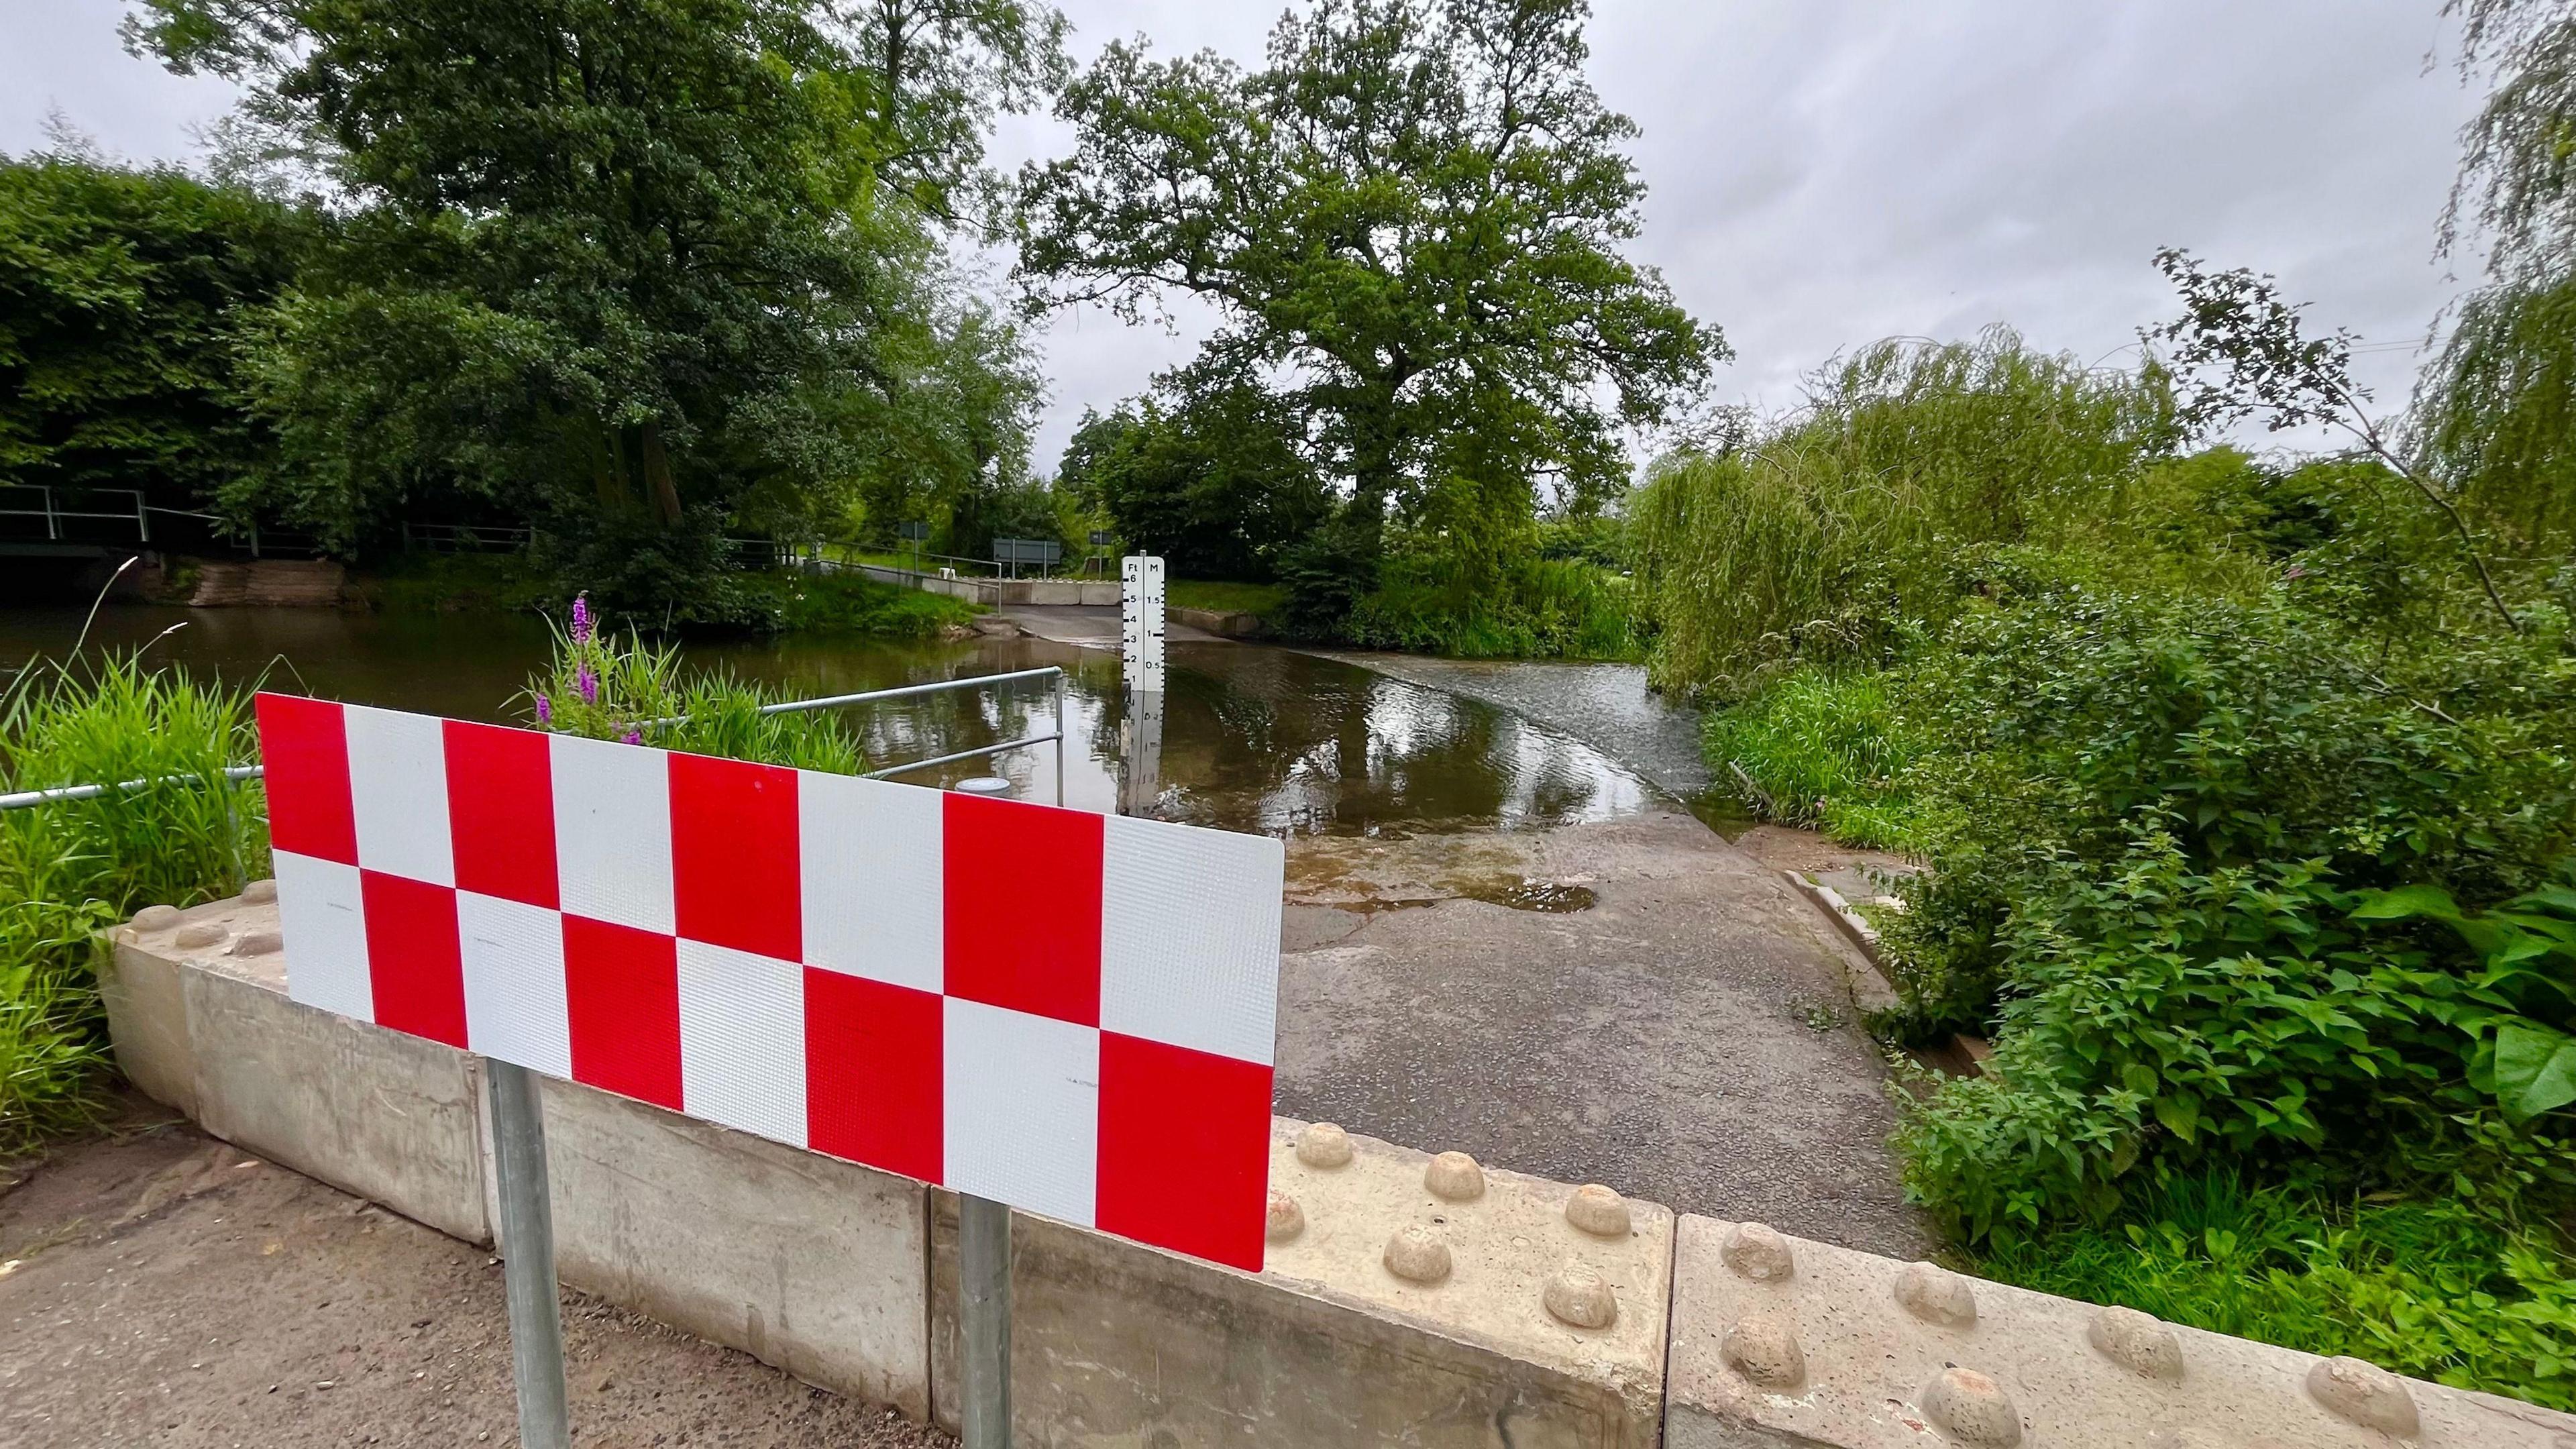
(1254, 738)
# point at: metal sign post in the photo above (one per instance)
(984, 1321)
(1140, 640)
(528, 1255)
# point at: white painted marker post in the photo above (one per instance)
(1140, 639)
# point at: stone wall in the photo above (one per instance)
(1409, 1299)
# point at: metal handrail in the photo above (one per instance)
(63, 794)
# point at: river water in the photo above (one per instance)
(1255, 738)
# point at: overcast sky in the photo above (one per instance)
(1821, 173)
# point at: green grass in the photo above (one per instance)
(1225, 596)
(1821, 748)
(1525, 609)
(849, 604)
(458, 583)
(69, 871)
(2427, 1288)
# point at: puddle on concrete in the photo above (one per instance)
(1556, 898)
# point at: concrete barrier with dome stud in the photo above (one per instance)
(1777, 1341)
(1409, 1299)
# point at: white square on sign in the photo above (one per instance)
(742, 1040)
(1189, 936)
(1023, 1110)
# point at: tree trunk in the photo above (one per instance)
(657, 474)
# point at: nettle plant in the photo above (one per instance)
(604, 686)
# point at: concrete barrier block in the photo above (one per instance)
(1119, 1344)
(1781, 1341)
(389, 1117)
(147, 1019)
(812, 1264)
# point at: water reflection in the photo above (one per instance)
(1254, 738)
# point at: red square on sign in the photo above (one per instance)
(734, 880)
(872, 1085)
(306, 750)
(501, 812)
(1184, 1149)
(622, 1003)
(1022, 907)
(413, 962)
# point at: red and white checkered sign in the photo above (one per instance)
(1066, 1012)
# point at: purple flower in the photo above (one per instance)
(581, 623)
(545, 710)
(632, 737)
(586, 684)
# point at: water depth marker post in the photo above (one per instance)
(1140, 647)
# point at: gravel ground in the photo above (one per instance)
(165, 1288)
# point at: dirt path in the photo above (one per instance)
(164, 1288)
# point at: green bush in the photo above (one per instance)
(2160, 884)
(71, 869)
(1527, 608)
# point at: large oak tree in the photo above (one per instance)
(1413, 212)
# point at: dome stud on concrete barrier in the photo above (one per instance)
(1971, 1409)
(1757, 1251)
(1286, 1219)
(1454, 1177)
(1580, 1296)
(198, 935)
(259, 943)
(2138, 1342)
(1766, 1352)
(156, 918)
(259, 892)
(2366, 1394)
(1936, 1295)
(1324, 1144)
(1599, 1211)
(1416, 1255)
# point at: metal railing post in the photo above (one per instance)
(53, 525)
(527, 1243)
(984, 1322)
(142, 520)
(1059, 739)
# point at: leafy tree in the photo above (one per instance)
(2492, 414)
(2245, 354)
(117, 298)
(1207, 473)
(635, 258)
(1414, 210)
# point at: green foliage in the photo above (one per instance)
(2431, 1289)
(602, 687)
(1429, 603)
(635, 262)
(1820, 747)
(1415, 209)
(1208, 475)
(2520, 1007)
(2494, 414)
(69, 870)
(1831, 535)
(849, 604)
(118, 294)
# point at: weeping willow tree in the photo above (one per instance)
(1823, 534)
(2492, 416)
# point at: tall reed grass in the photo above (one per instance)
(71, 869)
